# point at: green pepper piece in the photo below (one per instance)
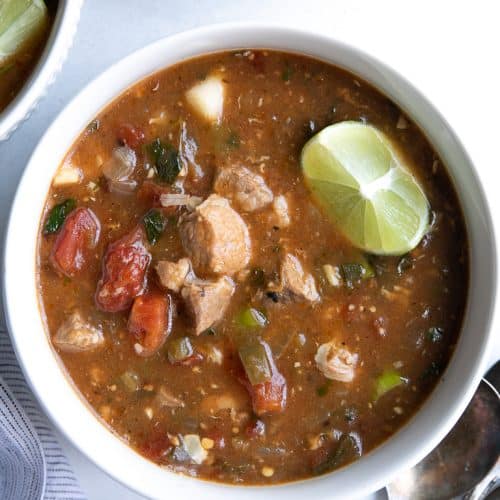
(255, 360)
(58, 215)
(387, 381)
(179, 349)
(154, 224)
(251, 318)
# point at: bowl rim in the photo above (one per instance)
(62, 33)
(439, 412)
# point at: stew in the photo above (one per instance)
(207, 306)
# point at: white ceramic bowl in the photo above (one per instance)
(60, 39)
(56, 392)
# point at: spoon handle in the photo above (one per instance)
(487, 485)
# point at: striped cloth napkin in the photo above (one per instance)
(32, 464)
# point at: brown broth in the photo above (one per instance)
(274, 101)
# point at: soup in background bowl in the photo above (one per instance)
(35, 37)
(204, 301)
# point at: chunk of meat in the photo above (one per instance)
(295, 281)
(336, 362)
(150, 321)
(78, 235)
(246, 189)
(207, 301)
(173, 275)
(270, 396)
(215, 237)
(75, 335)
(123, 274)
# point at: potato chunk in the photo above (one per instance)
(207, 98)
(66, 175)
(75, 335)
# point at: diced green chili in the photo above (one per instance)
(387, 381)
(353, 272)
(251, 318)
(179, 349)
(255, 360)
(154, 224)
(166, 159)
(58, 215)
(130, 380)
(435, 334)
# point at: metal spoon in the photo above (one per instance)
(466, 464)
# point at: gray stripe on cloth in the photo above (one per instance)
(32, 463)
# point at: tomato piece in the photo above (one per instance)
(78, 235)
(269, 396)
(130, 135)
(157, 447)
(123, 274)
(150, 321)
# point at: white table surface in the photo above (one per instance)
(448, 49)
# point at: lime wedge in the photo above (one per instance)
(354, 173)
(22, 23)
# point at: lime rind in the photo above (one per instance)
(354, 172)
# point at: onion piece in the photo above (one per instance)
(122, 187)
(180, 200)
(121, 165)
(192, 444)
(165, 398)
(67, 174)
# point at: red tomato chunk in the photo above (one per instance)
(130, 135)
(78, 235)
(150, 321)
(124, 272)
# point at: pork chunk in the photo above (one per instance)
(247, 190)
(336, 362)
(173, 275)
(215, 237)
(300, 285)
(207, 301)
(75, 335)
